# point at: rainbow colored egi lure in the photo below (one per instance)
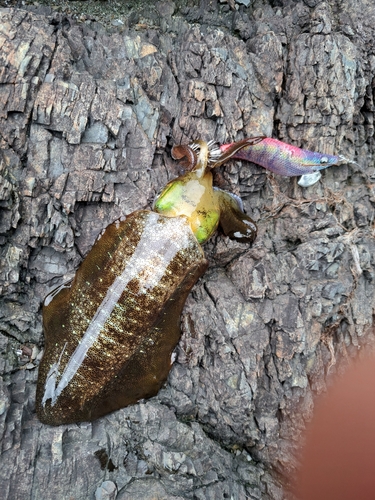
(288, 160)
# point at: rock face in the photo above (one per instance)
(87, 120)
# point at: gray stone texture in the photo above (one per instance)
(87, 121)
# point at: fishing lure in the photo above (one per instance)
(288, 160)
(111, 331)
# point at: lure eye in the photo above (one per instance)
(323, 159)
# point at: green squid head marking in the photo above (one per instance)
(193, 196)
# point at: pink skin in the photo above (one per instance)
(284, 159)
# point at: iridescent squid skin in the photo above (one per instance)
(288, 160)
(111, 331)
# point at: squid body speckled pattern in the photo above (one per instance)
(288, 160)
(110, 332)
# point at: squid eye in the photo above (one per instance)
(323, 159)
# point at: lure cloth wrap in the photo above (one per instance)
(284, 159)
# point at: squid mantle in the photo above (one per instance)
(110, 332)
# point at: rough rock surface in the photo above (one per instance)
(87, 120)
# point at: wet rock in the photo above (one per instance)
(106, 491)
(87, 120)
